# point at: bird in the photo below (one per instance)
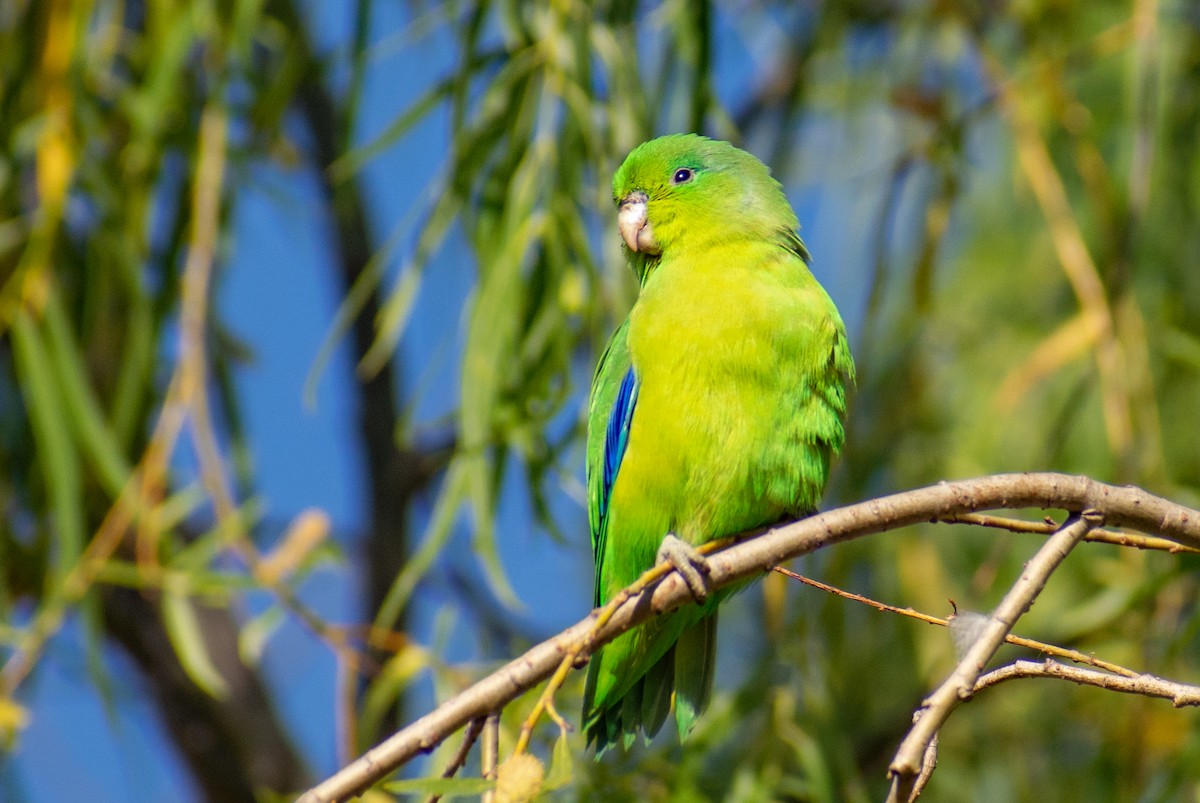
(716, 408)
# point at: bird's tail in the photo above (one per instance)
(695, 665)
(684, 674)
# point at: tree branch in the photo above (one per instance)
(1180, 694)
(1121, 506)
(911, 759)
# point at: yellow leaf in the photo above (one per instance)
(306, 532)
(14, 718)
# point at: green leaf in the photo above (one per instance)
(56, 453)
(95, 436)
(393, 318)
(253, 637)
(350, 164)
(446, 787)
(561, 765)
(187, 637)
(390, 685)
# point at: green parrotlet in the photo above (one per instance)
(716, 408)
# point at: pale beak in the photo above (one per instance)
(634, 227)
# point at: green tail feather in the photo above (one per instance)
(695, 666)
(683, 675)
(656, 694)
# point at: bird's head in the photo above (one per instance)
(685, 190)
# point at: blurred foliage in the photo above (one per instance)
(100, 198)
(1016, 190)
(120, 125)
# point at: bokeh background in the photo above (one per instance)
(299, 302)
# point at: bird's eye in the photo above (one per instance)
(683, 175)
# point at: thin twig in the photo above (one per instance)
(1049, 527)
(882, 606)
(345, 721)
(1018, 641)
(1180, 694)
(187, 387)
(910, 757)
(928, 765)
(1046, 526)
(490, 758)
(460, 756)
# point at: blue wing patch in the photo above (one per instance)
(616, 438)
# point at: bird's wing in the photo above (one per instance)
(610, 413)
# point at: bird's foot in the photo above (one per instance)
(690, 564)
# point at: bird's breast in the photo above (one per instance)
(707, 348)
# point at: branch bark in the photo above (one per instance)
(1121, 506)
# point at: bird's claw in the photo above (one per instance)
(686, 559)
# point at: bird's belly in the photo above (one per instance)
(697, 463)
